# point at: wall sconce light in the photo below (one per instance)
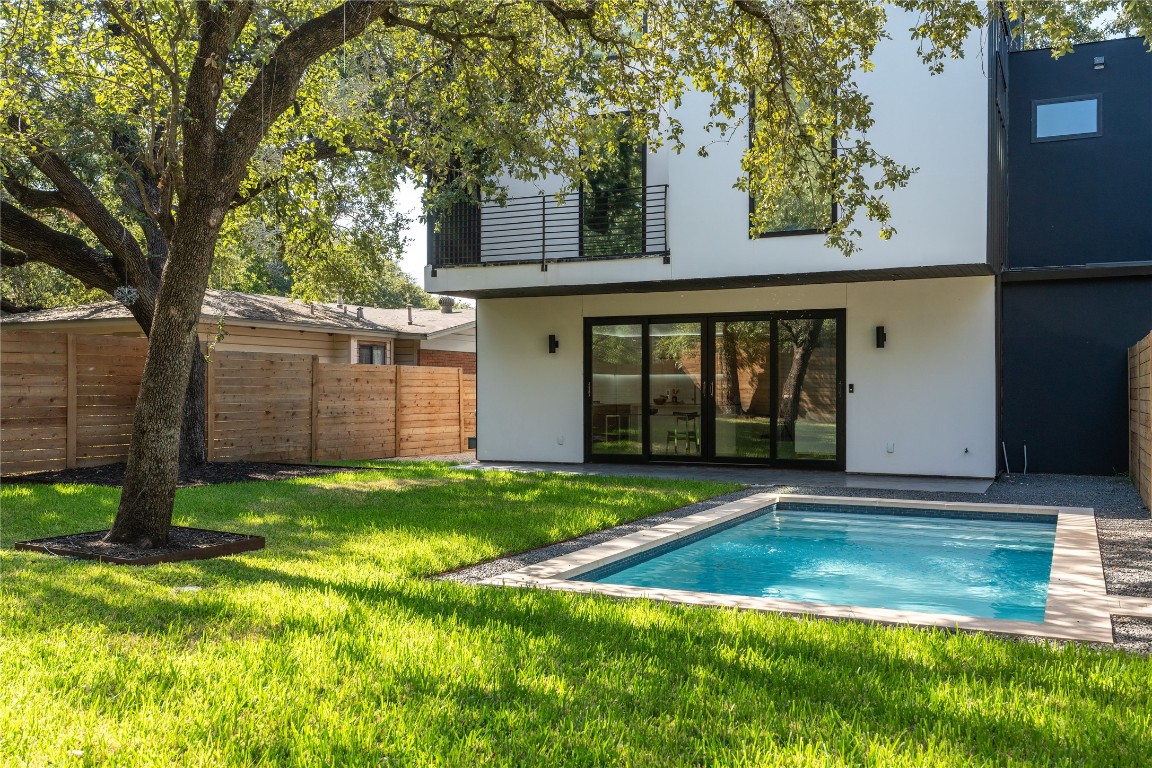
(881, 337)
(553, 344)
(1098, 62)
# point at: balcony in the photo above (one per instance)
(603, 224)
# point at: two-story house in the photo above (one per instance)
(641, 322)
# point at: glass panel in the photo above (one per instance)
(616, 398)
(801, 205)
(612, 213)
(806, 420)
(743, 389)
(1066, 118)
(674, 385)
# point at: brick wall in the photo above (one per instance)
(441, 359)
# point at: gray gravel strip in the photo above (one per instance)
(1122, 522)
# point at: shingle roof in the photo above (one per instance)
(272, 309)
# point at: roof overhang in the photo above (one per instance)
(736, 281)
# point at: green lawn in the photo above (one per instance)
(330, 648)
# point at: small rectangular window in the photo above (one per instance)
(1077, 117)
(373, 354)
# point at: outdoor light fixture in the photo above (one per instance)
(553, 344)
(1098, 62)
(881, 337)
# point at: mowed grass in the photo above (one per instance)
(332, 648)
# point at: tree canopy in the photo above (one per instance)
(138, 133)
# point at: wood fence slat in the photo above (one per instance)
(18, 349)
(37, 454)
(72, 426)
(313, 427)
(20, 466)
(37, 380)
(397, 393)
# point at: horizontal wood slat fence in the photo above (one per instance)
(1140, 417)
(67, 400)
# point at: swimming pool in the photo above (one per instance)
(965, 563)
(1013, 569)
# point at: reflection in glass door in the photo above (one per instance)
(617, 357)
(743, 391)
(806, 374)
(762, 388)
(675, 391)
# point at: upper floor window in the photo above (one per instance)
(1075, 117)
(802, 208)
(613, 201)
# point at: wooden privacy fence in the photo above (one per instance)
(67, 400)
(291, 408)
(1140, 417)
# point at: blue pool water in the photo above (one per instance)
(991, 568)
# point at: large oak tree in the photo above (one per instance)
(132, 129)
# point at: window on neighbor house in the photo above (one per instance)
(612, 202)
(373, 354)
(1077, 117)
(800, 211)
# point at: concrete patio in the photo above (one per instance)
(751, 476)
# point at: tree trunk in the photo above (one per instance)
(193, 431)
(730, 403)
(802, 349)
(145, 512)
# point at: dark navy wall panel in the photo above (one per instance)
(1088, 200)
(1064, 368)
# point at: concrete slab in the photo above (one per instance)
(751, 476)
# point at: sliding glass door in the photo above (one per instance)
(675, 387)
(763, 388)
(615, 389)
(742, 354)
(807, 407)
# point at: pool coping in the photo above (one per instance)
(1078, 606)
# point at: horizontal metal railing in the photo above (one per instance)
(597, 224)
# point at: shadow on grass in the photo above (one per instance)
(574, 674)
(632, 663)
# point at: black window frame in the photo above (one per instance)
(832, 219)
(1097, 97)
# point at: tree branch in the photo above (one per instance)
(34, 199)
(143, 42)
(82, 202)
(29, 239)
(565, 15)
(322, 150)
(17, 309)
(273, 90)
(10, 258)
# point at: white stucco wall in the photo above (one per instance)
(938, 123)
(930, 392)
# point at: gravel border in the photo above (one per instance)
(1123, 524)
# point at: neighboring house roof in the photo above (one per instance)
(275, 310)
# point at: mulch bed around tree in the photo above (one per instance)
(183, 544)
(208, 474)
